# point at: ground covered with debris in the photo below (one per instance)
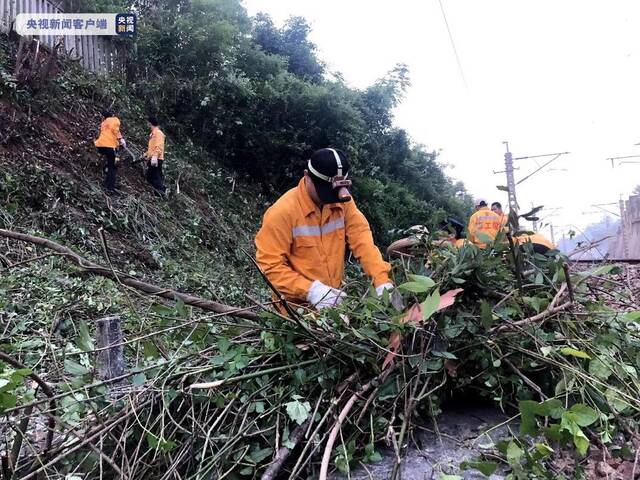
(260, 394)
(308, 394)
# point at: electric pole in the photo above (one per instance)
(623, 229)
(511, 182)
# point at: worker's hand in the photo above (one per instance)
(123, 142)
(381, 288)
(322, 296)
(154, 161)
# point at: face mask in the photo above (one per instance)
(342, 184)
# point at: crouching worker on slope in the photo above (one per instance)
(110, 138)
(301, 244)
(155, 156)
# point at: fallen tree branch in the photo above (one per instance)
(589, 246)
(326, 457)
(130, 281)
(536, 318)
(282, 455)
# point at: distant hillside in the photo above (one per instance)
(607, 227)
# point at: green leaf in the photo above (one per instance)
(514, 453)
(181, 309)
(444, 476)
(223, 344)
(7, 400)
(603, 270)
(631, 317)
(413, 287)
(529, 409)
(298, 411)
(74, 368)
(546, 350)
(550, 408)
(163, 310)
(617, 404)
(543, 449)
(259, 455)
(599, 369)
(422, 279)
(150, 350)
(419, 284)
(84, 340)
(584, 415)
(484, 238)
(370, 454)
(528, 417)
(152, 440)
(572, 352)
(448, 355)
(486, 314)
(157, 443)
(246, 471)
(581, 442)
(430, 305)
(486, 468)
(138, 379)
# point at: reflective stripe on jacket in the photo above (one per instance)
(486, 222)
(298, 243)
(156, 144)
(109, 133)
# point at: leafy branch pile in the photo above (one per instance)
(208, 396)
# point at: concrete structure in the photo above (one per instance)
(627, 242)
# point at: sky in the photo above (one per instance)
(547, 76)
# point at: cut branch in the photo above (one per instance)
(130, 281)
(282, 454)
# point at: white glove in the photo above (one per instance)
(381, 288)
(154, 161)
(322, 296)
(123, 142)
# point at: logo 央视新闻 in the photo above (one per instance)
(126, 24)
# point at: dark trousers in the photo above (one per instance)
(110, 169)
(155, 177)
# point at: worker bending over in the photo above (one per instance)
(483, 222)
(301, 244)
(107, 143)
(155, 156)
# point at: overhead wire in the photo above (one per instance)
(453, 45)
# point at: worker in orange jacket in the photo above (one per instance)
(484, 222)
(155, 156)
(539, 242)
(107, 143)
(496, 207)
(301, 244)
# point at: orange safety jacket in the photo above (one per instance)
(109, 133)
(486, 222)
(299, 243)
(534, 238)
(156, 144)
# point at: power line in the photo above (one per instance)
(453, 45)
